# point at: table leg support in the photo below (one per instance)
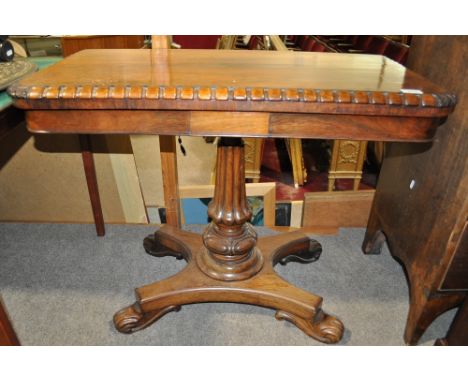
(91, 180)
(228, 263)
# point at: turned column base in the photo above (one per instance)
(265, 288)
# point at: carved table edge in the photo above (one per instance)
(201, 93)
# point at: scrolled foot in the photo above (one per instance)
(322, 327)
(155, 248)
(306, 256)
(132, 318)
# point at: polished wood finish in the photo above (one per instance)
(266, 289)
(232, 94)
(91, 180)
(457, 334)
(420, 206)
(7, 334)
(294, 145)
(168, 148)
(229, 124)
(223, 261)
(232, 80)
(73, 44)
(229, 238)
(253, 146)
(456, 277)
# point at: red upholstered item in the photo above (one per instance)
(196, 41)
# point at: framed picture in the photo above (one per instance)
(194, 203)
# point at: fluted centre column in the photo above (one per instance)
(230, 252)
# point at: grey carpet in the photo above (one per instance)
(61, 285)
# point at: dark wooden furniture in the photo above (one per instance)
(421, 204)
(74, 44)
(232, 94)
(7, 334)
(457, 334)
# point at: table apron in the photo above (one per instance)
(240, 124)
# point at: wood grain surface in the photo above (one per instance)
(232, 81)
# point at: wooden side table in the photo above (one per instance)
(232, 94)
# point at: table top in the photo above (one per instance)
(232, 80)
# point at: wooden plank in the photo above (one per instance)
(117, 122)
(337, 209)
(269, 205)
(297, 208)
(236, 123)
(356, 127)
(126, 178)
(148, 164)
(167, 145)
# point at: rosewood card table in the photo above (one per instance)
(232, 94)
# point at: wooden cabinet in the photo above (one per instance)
(421, 202)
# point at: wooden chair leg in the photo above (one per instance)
(7, 334)
(91, 180)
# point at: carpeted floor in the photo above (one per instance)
(61, 285)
